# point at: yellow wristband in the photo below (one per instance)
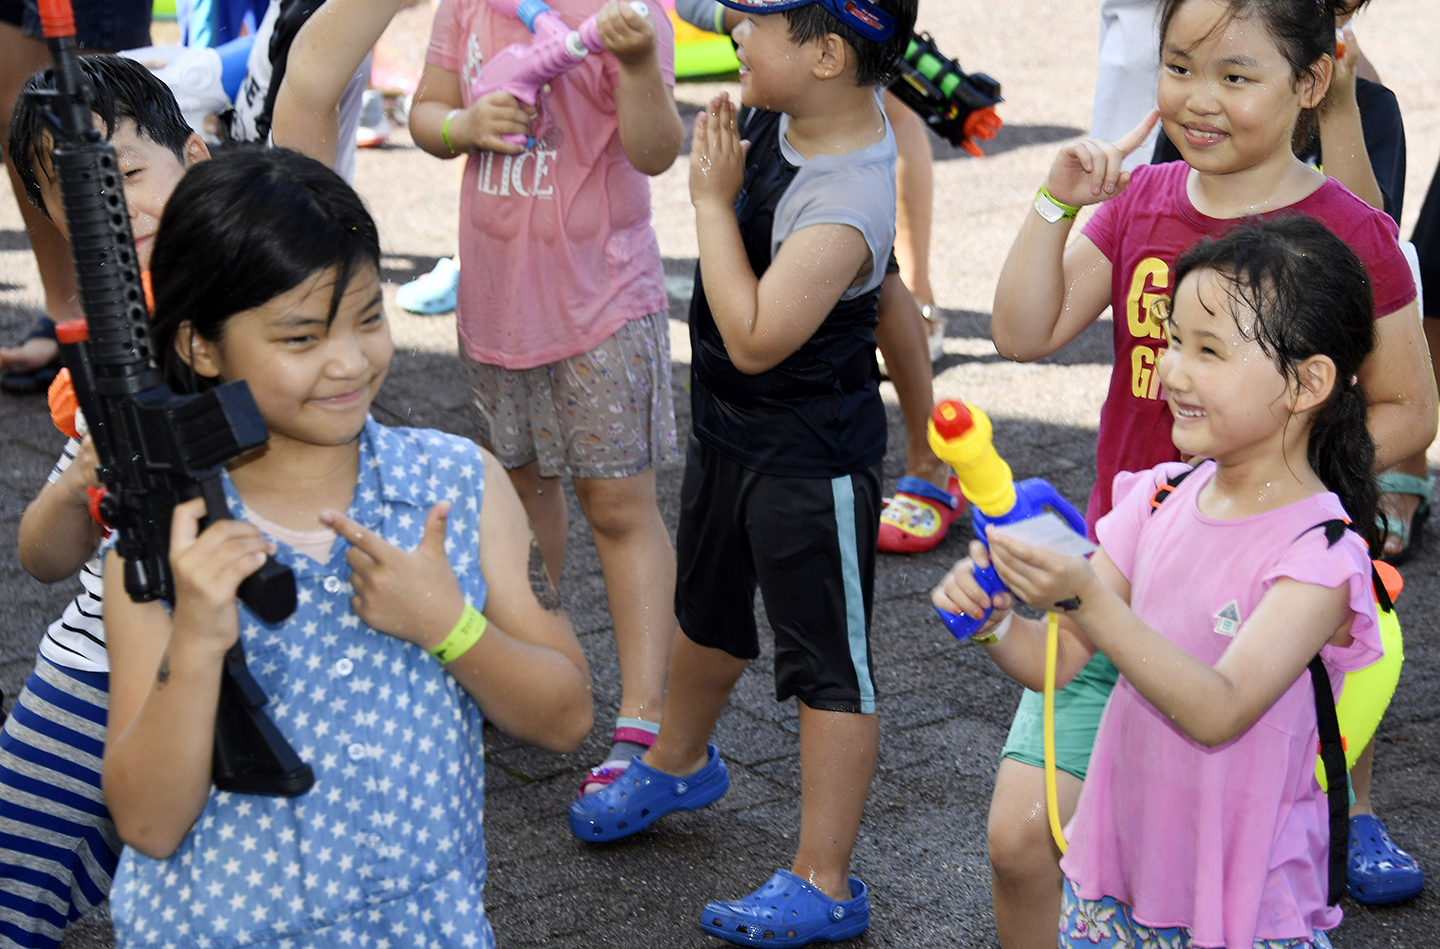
(445, 129)
(467, 632)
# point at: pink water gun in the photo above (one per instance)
(523, 69)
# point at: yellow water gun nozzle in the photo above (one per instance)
(960, 436)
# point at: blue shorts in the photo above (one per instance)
(1105, 923)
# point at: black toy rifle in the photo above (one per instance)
(156, 447)
(958, 106)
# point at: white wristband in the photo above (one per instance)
(998, 633)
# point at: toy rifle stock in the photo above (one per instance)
(958, 106)
(156, 447)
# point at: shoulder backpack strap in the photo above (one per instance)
(1332, 755)
(1166, 489)
(1332, 743)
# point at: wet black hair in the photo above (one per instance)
(1310, 296)
(124, 89)
(243, 228)
(875, 61)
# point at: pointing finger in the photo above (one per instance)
(360, 536)
(1132, 139)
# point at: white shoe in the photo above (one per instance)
(934, 330)
(374, 127)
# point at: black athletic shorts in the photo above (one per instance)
(809, 544)
(110, 25)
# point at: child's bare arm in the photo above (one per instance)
(1400, 386)
(165, 679)
(527, 671)
(1047, 292)
(649, 124)
(764, 320)
(325, 54)
(1210, 704)
(57, 533)
(477, 128)
(1342, 136)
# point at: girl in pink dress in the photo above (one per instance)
(1201, 822)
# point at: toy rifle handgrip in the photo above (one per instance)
(270, 590)
(962, 624)
(589, 30)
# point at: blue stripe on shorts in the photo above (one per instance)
(844, 494)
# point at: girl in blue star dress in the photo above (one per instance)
(266, 269)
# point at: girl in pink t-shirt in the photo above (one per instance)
(1201, 822)
(1235, 78)
(562, 311)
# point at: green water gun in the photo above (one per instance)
(958, 106)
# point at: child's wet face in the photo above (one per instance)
(771, 62)
(1226, 395)
(1227, 93)
(313, 382)
(150, 172)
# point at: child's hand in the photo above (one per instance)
(411, 595)
(717, 155)
(958, 592)
(208, 567)
(1341, 93)
(626, 33)
(81, 474)
(1088, 171)
(481, 126)
(1040, 577)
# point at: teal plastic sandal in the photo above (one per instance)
(1395, 482)
(431, 293)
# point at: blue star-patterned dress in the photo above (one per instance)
(386, 850)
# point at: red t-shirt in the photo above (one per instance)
(1142, 232)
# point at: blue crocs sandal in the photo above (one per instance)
(431, 293)
(642, 795)
(788, 911)
(1379, 872)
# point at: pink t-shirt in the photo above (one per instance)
(556, 248)
(1231, 842)
(1142, 232)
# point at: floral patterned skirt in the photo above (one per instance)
(1106, 922)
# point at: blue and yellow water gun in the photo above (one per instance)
(960, 436)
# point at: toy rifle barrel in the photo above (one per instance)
(103, 246)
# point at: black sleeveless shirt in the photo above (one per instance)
(817, 414)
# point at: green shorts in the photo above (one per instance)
(1077, 718)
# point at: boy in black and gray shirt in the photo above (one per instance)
(782, 479)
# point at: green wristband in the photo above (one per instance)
(445, 129)
(1052, 209)
(467, 632)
